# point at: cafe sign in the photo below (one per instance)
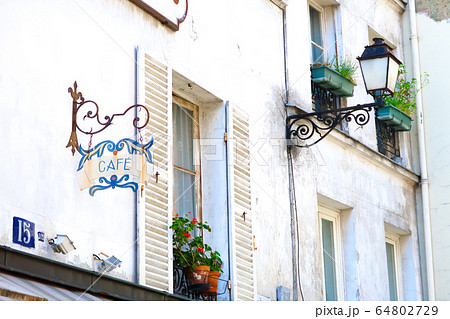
(169, 12)
(108, 165)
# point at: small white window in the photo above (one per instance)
(325, 28)
(393, 269)
(330, 238)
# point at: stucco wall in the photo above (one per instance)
(371, 192)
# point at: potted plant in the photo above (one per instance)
(399, 108)
(215, 265)
(189, 251)
(336, 76)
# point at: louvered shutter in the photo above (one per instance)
(244, 283)
(155, 199)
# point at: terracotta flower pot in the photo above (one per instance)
(198, 278)
(213, 279)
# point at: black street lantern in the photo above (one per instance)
(380, 71)
(379, 68)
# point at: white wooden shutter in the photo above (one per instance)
(243, 277)
(155, 199)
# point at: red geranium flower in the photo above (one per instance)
(201, 250)
(187, 235)
(176, 215)
(195, 220)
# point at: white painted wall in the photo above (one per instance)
(433, 43)
(228, 55)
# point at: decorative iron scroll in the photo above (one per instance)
(79, 101)
(317, 125)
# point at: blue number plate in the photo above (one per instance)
(23, 232)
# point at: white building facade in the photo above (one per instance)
(335, 221)
(430, 24)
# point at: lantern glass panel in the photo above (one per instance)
(392, 75)
(375, 73)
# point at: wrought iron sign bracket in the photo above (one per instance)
(78, 102)
(316, 126)
(100, 171)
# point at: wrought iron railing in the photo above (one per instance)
(181, 286)
(323, 100)
(387, 139)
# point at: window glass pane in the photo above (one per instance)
(183, 137)
(328, 259)
(317, 54)
(184, 193)
(390, 254)
(316, 32)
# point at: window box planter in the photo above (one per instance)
(330, 80)
(392, 116)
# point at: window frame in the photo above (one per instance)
(333, 216)
(320, 9)
(394, 240)
(196, 153)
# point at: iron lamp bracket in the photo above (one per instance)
(308, 129)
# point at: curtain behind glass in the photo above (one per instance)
(183, 137)
(184, 192)
(183, 156)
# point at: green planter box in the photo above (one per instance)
(399, 120)
(330, 80)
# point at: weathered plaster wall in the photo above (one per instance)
(438, 10)
(371, 192)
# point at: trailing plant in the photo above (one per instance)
(189, 249)
(404, 97)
